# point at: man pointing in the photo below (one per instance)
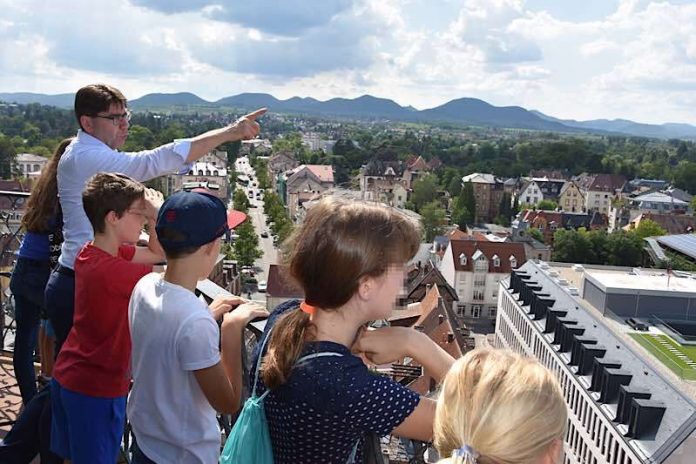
(103, 116)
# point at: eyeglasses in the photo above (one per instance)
(116, 119)
(137, 213)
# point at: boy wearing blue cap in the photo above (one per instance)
(180, 377)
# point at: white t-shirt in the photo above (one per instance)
(173, 334)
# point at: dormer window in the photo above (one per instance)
(513, 262)
(496, 261)
(462, 259)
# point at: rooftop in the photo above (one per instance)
(683, 243)
(640, 371)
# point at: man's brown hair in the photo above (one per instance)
(96, 98)
(106, 192)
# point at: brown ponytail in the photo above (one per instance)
(289, 335)
(338, 243)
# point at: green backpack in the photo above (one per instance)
(249, 440)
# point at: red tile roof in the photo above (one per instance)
(489, 249)
(281, 284)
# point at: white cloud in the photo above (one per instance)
(638, 62)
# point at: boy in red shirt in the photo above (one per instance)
(91, 374)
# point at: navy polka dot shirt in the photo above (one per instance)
(329, 403)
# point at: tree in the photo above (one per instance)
(424, 191)
(648, 228)
(536, 234)
(8, 155)
(685, 176)
(246, 245)
(432, 219)
(547, 205)
(240, 202)
(464, 208)
(624, 249)
(572, 246)
(505, 209)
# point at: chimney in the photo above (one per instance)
(598, 367)
(645, 418)
(575, 346)
(626, 395)
(588, 353)
(440, 318)
(450, 337)
(612, 378)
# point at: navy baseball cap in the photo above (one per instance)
(191, 219)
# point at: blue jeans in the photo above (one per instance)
(28, 282)
(60, 303)
(31, 434)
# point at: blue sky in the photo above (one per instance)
(586, 59)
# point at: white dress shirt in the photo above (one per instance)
(86, 156)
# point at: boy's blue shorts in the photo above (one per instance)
(48, 327)
(86, 429)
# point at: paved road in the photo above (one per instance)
(258, 218)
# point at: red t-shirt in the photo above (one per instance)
(95, 359)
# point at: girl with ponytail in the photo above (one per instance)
(349, 258)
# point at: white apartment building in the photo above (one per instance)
(474, 269)
(625, 407)
(29, 164)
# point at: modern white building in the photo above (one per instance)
(625, 406)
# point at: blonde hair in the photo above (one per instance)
(338, 243)
(509, 409)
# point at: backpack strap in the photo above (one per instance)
(258, 363)
(316, 355)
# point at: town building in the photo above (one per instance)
(626, 406)
(537, 189)
(600, 189)
(474, 268)
(281, 287)
(210, 172)
(304, 183)
(28, 164)
(488, 191)
(671, 223)
(571, 198)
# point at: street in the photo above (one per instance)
(258, 218)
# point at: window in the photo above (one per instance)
(492, 312)
(476, 311)
(37, 167)
(481, 264)
(462, 259)
(478, 295)
(496, 261)
(513, 262)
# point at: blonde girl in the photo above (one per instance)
(497, 407)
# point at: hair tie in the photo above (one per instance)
(307, 308)
(467, 454)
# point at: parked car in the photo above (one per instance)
(264, 234)
(262, 286)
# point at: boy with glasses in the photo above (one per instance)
(102, 113)
(91, 375)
